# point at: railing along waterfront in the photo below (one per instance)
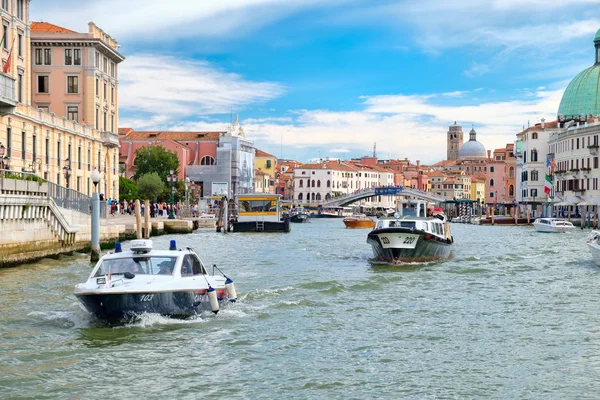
(12, 182)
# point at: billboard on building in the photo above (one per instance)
(246, 165)
(219, 189)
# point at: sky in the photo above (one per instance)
(313, 78)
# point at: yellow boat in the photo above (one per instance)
(359, 221)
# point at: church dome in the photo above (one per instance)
(472, 148)
(582, 96)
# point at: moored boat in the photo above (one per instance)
(552, 225)
(175, 283)
(359, 221)
(260, 212)
(411, 238)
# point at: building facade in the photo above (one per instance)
(38, 140)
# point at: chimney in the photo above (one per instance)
(489, 154)
(543, 123)
(418, 162)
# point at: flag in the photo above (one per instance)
(6, 67)
(548, 184)
(550, 164)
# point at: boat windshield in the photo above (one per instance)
(257, 205)
(137, 265)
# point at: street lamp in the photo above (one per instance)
(172, 179)
(67, 172)
(95, 253)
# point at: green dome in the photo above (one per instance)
(582, 96)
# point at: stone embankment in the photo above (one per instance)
(34, 227)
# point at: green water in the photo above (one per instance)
(514, 314)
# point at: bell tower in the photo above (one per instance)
(454, 141)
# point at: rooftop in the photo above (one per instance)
(175, 136)
(45, 27)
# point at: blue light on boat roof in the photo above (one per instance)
(118, 247)
(173, 245)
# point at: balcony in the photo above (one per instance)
(110, 139)
(593, 149)
(7, 91)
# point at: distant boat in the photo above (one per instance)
(553, 225)
(359, 221)
(299, 214)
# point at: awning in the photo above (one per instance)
(564, 203)
(584, 203)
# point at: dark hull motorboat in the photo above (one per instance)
(300, 217)
(175, 283)
(395, 245)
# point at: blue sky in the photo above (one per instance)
(328, 79)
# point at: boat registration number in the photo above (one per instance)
(399, 241)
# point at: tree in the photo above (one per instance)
(150, 186)
(128, 190)
(155, 159)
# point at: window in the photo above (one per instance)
(207, 160)
(79, 157)
(20, 9)
(112, 95)
(34, 147)
(68, 57)
(534, 155)
(105, 92)
(299, 196)
(43, 84)
(73, 84)
(47, 151)
(5, 4)
(5, 36)
(99, 157)
(20, 43)
(23, 145)
(112, 69)
(104, 120)
(300, 183)
(20, 88)
(533, 192)
(268, 164)
(38, 56)
(595, 162)
(73, 113)
(511, 172)
(8, 142)
(491, 182)
(534, 175)
(89, 159)
(97, 87)
(97, 118)
(112, 122)
(491, 194)
(105, 64)
(97, 60)
(534, 135)
(44, 107)
(491, 169)
(76, 56)
(47, 56)
(58, 155)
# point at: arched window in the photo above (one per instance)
(534, 155)
(207, 160)
(318, 196)
(491, 182)
(308, 183)
(313, 183)
(534, 135)
(318, 183)
(511, 172)
(328, 183)
(511, 190)
(300, 185)
(313, 196)
(327, 196)
(299, 196)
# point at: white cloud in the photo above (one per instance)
(339, 151)
(164, 85)
(477, 70)
(149, 20)
(456, 93)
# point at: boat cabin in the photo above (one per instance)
(259, 206)
(431, 225)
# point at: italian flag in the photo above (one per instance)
(548, 184)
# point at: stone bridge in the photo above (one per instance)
(381, 191)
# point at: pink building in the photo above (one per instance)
(192, 148)
(496, 178)
(74, 75)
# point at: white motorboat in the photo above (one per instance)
(592, 242)
(410, 238)
(299, 214)
(552, 225)
(125, 284)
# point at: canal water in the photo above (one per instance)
(514, 314)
